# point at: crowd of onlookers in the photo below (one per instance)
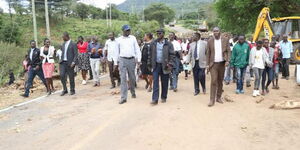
(161, 59)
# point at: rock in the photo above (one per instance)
(228, 98)
(287, 104)
(260, 99)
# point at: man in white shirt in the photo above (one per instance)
(129, 55)
(111, 50)
(218, 56)
(178, 57)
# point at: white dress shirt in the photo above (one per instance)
(218, 51)
(66, 50)
(128, 47)
(31, 53)
(184, 46)
(111, 47)
(176, 45)
(201, 49)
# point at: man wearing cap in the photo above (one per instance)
(162, 60)
(129, 55)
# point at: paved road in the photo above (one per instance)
(93, 120)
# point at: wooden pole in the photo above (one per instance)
(34, 22)
(47, 19)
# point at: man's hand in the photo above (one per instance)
(207, 69)
(226, 64)
(72, 65)
(37, 68)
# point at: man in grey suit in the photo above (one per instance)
(197, 58)
(162, 58)
(67, 63)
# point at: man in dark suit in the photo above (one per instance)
(218, 56)
(162, 60)
(35, 65)
(67, 63)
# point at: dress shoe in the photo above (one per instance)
(204, 91)
(211, 103)
(163, 100)
(175, 90)
(196, 93)
(72, 93)
(219, 101)
(133, 96)
(24, 95)
(63, 93)
(147, 85)
(49, 93)
(122, 101)
(287, 78)
(112, 87)
(149, 89)
(154, 103)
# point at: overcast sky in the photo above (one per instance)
(97, 3)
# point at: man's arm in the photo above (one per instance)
(75, 51)
(171, 55)
(232, 58)
(228, 52)
(137, 50)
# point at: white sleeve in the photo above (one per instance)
(138, 54)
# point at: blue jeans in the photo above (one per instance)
(267, 71)
(31, 75)
(164, 78)
(240, 72)
(199, 77)
(227, 77)
(175, 73)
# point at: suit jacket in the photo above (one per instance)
(226, 52)
(168, 56)
(202, 53)
(36, 61)
(72, 53)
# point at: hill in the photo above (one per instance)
(180, 6)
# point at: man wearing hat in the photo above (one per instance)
(129, 55)
(162, 60)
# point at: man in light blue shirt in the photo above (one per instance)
(159, 53)
(286, 48)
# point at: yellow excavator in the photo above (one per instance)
(289, 26)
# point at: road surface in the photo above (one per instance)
(93, 120)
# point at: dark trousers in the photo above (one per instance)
(164, 78)
(66, 70)
(267, 71)
(114, 75)
(217, 76)
(285, 67)
(199, 76)
(240, 74)
(31, 75)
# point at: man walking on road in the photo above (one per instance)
(111, 49)
(178, 57)
(162, 58)
(67, 63)
(218, 56)
(286, 48)
(239, 60)
(197, 57)
(129, 55)
(35, 64)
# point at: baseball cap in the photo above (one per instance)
(126, 27)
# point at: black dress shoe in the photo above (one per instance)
(196, 93)
(123, 101)
(72, 93)
(211, 103)
(24, 95)
(163, 100)
(175, 90)
(64, 93)
(112, 87)
(154, 103)
(219, 101)
(133, 96)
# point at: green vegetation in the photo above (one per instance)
(159, 12)
(239, 16)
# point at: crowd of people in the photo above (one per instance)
(161, 60)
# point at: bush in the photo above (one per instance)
(11, 58)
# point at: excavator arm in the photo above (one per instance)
(263, 22)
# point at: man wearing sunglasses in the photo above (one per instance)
(162, 60)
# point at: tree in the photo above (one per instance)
(159, 12)
(82, 10)
(95, 13)
(239, 16)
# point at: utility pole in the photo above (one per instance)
(34, 22)
(106, 9)
(110, 14)
(47, 19)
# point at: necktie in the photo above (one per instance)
(196, 52)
